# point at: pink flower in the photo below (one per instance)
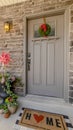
(13, 78)
(4, 58)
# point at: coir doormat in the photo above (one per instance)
(42, 120)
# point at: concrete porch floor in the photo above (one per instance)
(48, 104)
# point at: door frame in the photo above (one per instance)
(65, 12)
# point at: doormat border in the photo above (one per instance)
(66, 118)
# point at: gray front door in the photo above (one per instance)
(45, 72)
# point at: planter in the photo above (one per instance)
(1, 111)
(6, 115)
(12, 109)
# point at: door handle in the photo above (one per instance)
(28, 64)
(28, 61)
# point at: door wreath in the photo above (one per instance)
(44, 30)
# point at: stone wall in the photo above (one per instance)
(12, 42)
(71, 57)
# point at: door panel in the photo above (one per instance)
(45, 76)
(50, 63)
(36, 67)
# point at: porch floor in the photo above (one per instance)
(48, 104)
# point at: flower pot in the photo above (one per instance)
(12, 109)
(6, 115)
(1, 111)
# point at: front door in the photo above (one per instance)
(45, 74)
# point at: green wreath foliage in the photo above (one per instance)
(44, 33)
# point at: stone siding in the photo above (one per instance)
(12, 42)
(71, 56)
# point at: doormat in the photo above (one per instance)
(42, 120)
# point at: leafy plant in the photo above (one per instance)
(4, 107)
(11, 101)
(1, 106)
(10, 82)
(7, 82)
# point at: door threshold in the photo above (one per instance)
(49, 104)
(38, 98)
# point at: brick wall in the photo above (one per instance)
(12, 42)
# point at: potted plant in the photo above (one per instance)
(12, 103)
(8, 83)
(1, 108)
(6, 111)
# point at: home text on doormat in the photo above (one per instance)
(42, 120)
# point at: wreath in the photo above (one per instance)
(44, 30)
